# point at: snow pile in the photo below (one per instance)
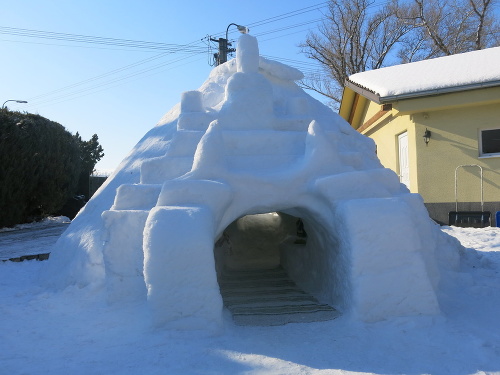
(250, 141)
(471, 68)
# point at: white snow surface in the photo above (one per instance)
(77, 332)
(40, 243)
(442, 73)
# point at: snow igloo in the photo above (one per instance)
(249, 173)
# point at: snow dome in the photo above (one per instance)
(250, 173)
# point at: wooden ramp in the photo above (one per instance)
(268, 297)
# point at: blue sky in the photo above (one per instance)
(122, 106)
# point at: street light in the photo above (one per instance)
(241, 29)
(13, 100)
(221, 57)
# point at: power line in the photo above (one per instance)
(288, 27)
(311, 8)
(279, 17)
(109, 82)
(74, 46)
(102, 75)
(294, 13)
(92, 90)
(284, 35)
(170, 47)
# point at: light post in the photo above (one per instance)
(221, 57)
(13, 100)
(241, 29)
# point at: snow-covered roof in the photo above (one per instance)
(459, 72)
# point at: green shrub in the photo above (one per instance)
(40, 163)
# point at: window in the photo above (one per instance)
(489, 142)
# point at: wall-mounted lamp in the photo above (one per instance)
(427, 136)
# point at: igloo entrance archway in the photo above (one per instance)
(207, 208)
(271, 271)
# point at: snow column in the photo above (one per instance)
(388, 272)
(249, 95)
(123, 256)
(179, 268)
(179, 264)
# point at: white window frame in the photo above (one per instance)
(483, 155)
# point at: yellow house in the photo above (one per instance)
(436, 123)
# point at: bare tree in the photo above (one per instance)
(357, 36)
(448, 27)
(354, 37)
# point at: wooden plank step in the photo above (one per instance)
(269, 297)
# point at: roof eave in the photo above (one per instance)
(418, 94)
(363, 91)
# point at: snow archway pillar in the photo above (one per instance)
(388, 273)
(179, 268)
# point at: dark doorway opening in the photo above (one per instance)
(255, 285)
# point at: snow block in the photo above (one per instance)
(388, 274)
(262, 150)
(193, 121)
(191, 101)
(157, 170)
(280, 70)
(136, 197)
(209, 161)
(383, 183)
(213, 194)
(123, 255)
(247, 54)
(179, 269)
(263, 142)
(292, 122)
(262, 163)
(317, 139)
(246, 92)
(193, 116)
(298, 106)
(437, 253)
(184, 142)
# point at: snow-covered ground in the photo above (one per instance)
(77, 332)
(31, 239)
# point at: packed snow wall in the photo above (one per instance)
(250, 141)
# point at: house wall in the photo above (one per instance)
(385, 134)
(454, 121)
(454, 142)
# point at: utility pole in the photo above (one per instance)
(224, 50)
(221, 56)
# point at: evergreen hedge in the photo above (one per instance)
(40, 163)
